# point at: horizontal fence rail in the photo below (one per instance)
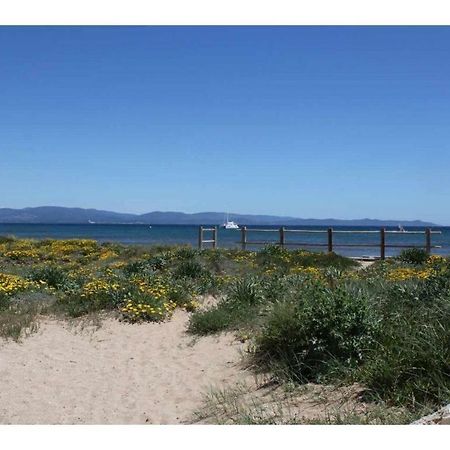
(329, 242)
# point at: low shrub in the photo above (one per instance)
(319, 329)
(158, 262)
(184, 253)
(189, 269)
(322, 260)
(416, 256)
(139, 267)
(53, 276)
(273, 256)
(147, 308)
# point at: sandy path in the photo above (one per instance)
(118, 374)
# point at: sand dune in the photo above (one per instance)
(117, 374)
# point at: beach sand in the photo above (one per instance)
(116, 374)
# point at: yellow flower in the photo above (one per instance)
(11, 284)
(406, 273)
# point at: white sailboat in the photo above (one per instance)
(230, 225)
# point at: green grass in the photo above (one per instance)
(237, 310)
(410, 365)
(225, 316)
(317, 331)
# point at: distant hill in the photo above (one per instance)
(58, 214)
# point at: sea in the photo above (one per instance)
(368, 243)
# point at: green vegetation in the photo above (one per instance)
(238, 309)
(386, 327)
(318, 330)
(307, 317)
(415, 256)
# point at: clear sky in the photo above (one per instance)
(344, 122)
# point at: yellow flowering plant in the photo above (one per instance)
(12, 284)
(407, 273)
(313, 272)
(147, 308)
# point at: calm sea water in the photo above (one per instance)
(188, 234)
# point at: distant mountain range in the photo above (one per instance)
(58, 214)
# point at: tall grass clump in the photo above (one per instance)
(189, 268)
(19, 315)
(411, 363)
(238, 309)
(17, 320)
(52, 275)
(316, 332)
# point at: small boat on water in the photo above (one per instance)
(401, 229)
(91, 221)
(230, 225)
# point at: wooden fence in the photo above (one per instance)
(329, 244)
(201, 237)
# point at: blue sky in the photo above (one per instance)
(344, 122)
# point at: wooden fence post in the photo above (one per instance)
(330, 240)
(200, 237)
(215, 237)
(428, 240)
(383, 243)
(244, 238)
(282, 237)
